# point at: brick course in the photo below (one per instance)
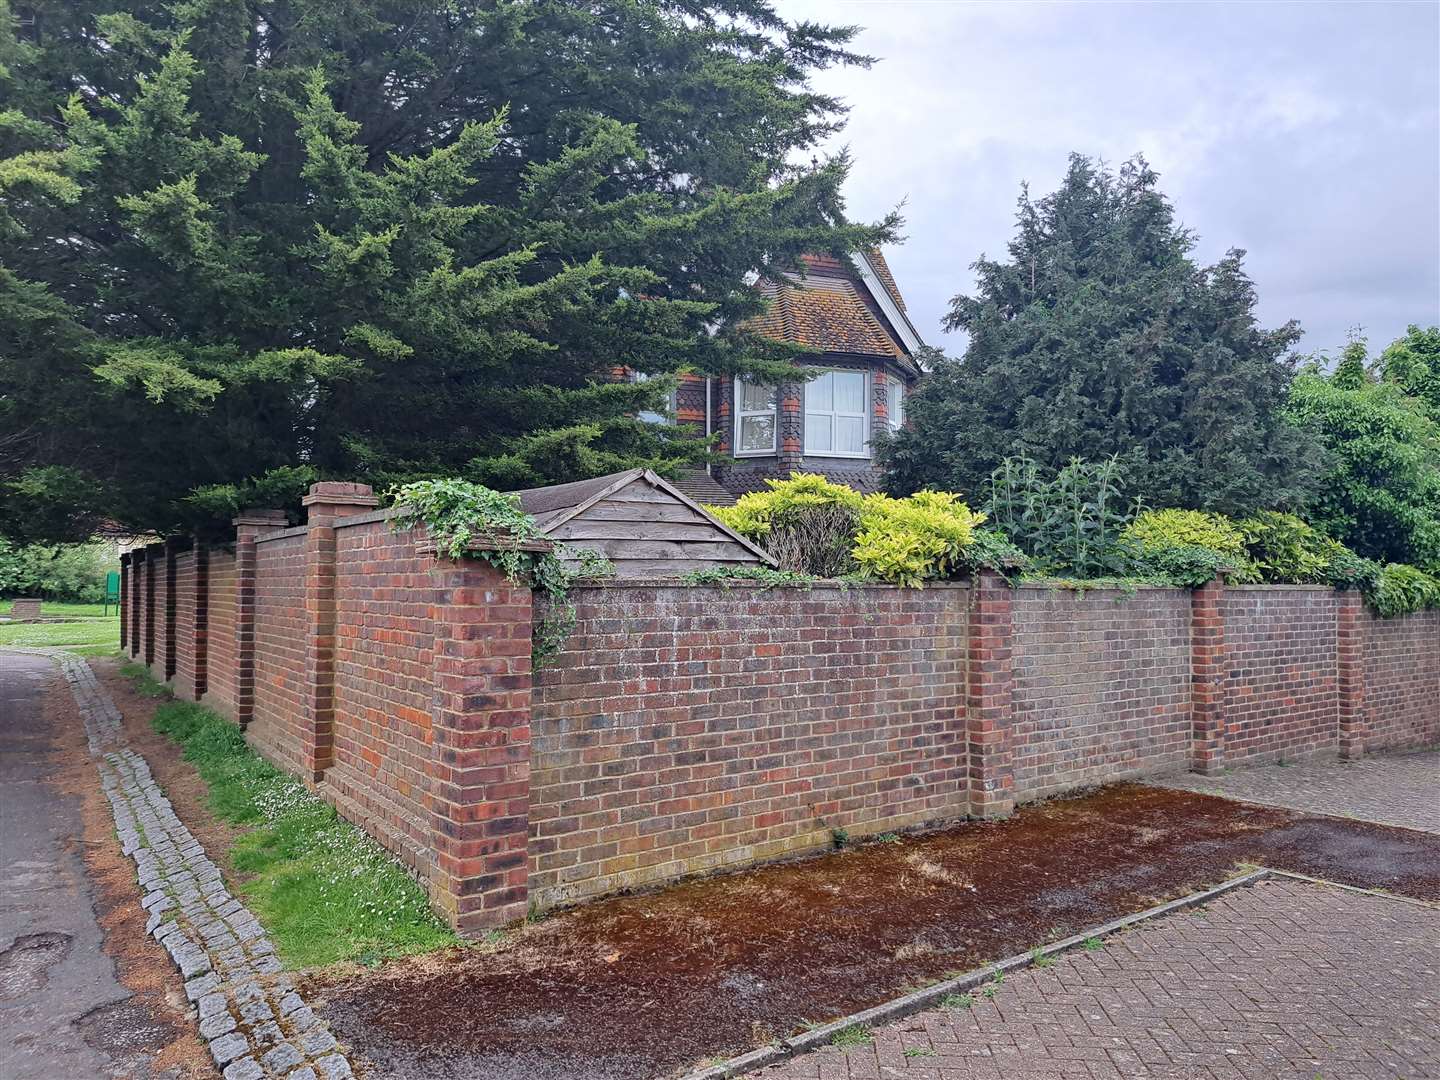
(223, 662)
(276, 727)
(686, 729)
(1102, 687)
(1402, 680)
(1282, 685)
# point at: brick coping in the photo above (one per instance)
(901, 1007)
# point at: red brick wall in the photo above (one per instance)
(1102, 686)
(279, 647)
(220, 674)
(185, 623)
(162, 606)
(687, 729)
(383, 681)
(1402, 680)
(1281, 699)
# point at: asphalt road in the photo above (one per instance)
(56, 985)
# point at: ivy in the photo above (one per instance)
(467, 520)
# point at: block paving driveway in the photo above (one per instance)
(1284, 979)
(1391, 789)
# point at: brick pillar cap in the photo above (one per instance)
(340, 493)
(260, 517)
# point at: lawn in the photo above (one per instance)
(323, 889)
(89, 636)
(69, 611)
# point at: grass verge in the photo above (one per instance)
(99, 634)
(53, 609)
(324, 890)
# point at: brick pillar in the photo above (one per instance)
(1207, 678)
(200, 641)
(989, 696)
(153, 555)
(1350, 662)
(248, 525)
(479, 796)
(125, 604)
(173, 546)
(326, 504)
(137, 575)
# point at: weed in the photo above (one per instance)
(957, 1001)
(1093, 943)
(918, 1051)
(840, 837)
(145, 684)
(324, 890)
(993, 986)
(851, 1035)
(1040, 959)
(888, 838)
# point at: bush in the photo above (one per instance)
(65, 572)
(1175, 538)
(1400, 590)
(1286, 551)
(1068, 522)
(814, 526)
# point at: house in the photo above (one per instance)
(641, 523)
(856, 318)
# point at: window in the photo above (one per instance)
(895, 408)
(755, 420)
(649, 415)
(836, 416)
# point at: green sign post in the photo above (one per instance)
(112, 591)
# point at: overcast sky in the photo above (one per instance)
(1306, 133)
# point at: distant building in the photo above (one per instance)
(856, 319)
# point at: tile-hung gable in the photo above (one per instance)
(854, 318)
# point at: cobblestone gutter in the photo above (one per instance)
(257, 1026)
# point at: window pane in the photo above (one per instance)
(820, 393)
(897, 405)
(757, 433)
(849, 391)
(849, 434)
(818, 438)
(756, 398)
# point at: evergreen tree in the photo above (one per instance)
(243, 246)
(1101, 336)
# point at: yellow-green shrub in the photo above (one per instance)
(1156, 531)
(911, 540)
(757, 512)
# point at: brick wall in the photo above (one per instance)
(1402, 680)
(685, 729)
(220, 688)
(279, 647)
(1101, 686)
(1281, 690)
(384, 673)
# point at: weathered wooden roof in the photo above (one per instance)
(640, 521)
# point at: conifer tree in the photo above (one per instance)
(243, 246)
(1100, 335)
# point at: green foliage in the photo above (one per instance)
(1100, 336)
(88, 635)
(851, 1035)
(67, 572)
(1381, 494)
(1412, 363)
(1185, 565)
(1287, 551)
(1400, 590)
(725, 576)
(324, 890)
(385, 240)
(1171, 542)
(466, 519)
(927, 536)
(1068, 521)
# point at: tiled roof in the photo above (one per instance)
(825, 313)
(882, 268)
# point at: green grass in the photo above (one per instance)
(324, 890)
(957, 1001)
(851, 1035)
(103, 634)
(71, 611)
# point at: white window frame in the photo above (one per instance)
(895, 395)
(741, 414)
(866, 409)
